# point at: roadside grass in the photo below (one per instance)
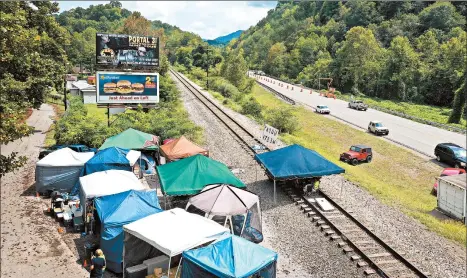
(425, 112)
(395, 176)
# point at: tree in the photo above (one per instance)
(361, 13)
(442, 16)
(458, 104)
(359, 61)
(32, 55)
(234, 70)
(401, 70)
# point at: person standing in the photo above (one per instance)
(316, 184)
(98, 264)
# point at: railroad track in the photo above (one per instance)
(243, 135)
(367, 249)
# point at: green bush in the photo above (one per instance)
(252, 107)
(224, 87)
(282, 118)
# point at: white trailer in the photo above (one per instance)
(452, 196)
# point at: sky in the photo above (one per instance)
(209, 19)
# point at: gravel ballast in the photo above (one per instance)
(303, 250)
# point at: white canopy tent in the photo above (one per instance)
(225, 200)
(60, 169)
(173, 231)
(107, 183)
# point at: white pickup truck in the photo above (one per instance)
(358, 105)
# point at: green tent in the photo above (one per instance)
(190, 175)
(132, 139)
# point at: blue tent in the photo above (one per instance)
(231, 256)
(112, 158)
(117, 210)
(294, 162)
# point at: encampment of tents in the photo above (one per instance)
(117, 210)
(132, 139)
(60, 170)
(188, 176)
(181, 148)
(169, 232)
(229, 257)
(296, 162)
(106, 183)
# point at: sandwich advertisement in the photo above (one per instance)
(122, 87)
(117, 50)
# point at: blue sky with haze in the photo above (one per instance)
(209, 19)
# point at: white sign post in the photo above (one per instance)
(270, 134)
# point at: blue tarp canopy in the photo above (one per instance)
(117, 210)
(231, 256)
(296, 161)
(112, 158)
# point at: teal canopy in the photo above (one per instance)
(190, 175)
(132, 139)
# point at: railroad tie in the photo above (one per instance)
(347, 249)
(330, 232)
(296, 199)
(341, 244)
(315, 218)
(307, 210)
(334, 237)
(362, 264)
(388, 262)
(320, 222)
(394, 269)
(299, 202)
(351, 231)
(378, 255)
(304, 206)
(311, 213)
(334, 216)
(362, 242)
(355, 258)
(369, 271)
(325, 227)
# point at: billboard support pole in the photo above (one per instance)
(108, 115)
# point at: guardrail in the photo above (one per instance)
(392, 112)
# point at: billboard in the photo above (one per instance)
(123, 87)
(118, 50)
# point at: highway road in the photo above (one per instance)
(420, 137)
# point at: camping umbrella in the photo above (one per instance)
(224, 200)
(181, 148)
(132, 139)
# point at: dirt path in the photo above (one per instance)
(30, 243)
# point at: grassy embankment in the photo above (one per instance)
(395, 176)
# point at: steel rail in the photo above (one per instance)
(219, 113)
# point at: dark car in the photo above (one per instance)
(76, 148)
(451, 154)
(356, 154)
